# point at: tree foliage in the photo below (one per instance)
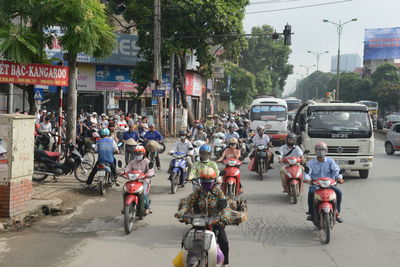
(242, 85)
(267, 59)
(314, 86)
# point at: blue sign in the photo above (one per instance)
(382, 43)
(38, 94)
(158, 93)
(154, 102)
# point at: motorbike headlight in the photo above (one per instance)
(199, 222)
(317, 197)
(133, 176)
(260, 147)
(325, 184)
(231, 163)
(292, 161)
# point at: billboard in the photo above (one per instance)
(382, 43)
(114, 78)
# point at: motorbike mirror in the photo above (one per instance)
(306, 170)
(342, 171)
(151, 165)
(119, 163)
(120, 144)
(222, 173)
(222, 204)
(306, 151)
(190, 148)
(277, 153)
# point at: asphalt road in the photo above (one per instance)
(276, 234)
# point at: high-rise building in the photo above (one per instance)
(348, 63)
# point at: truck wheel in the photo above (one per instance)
(363, 173)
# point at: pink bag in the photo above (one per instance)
(252, 165)
(220, 256)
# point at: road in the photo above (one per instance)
(276, 234)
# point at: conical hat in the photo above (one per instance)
(130, 142)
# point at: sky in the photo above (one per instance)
(310, 33)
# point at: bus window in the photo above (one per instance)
(268, 113)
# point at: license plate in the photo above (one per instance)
(101, 173)
(342, 162)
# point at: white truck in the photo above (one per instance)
(346, 128)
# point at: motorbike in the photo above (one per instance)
(262, 160)
(231, 177)
(133, 198)
(46, 163)
(178, 169)
(105, 177)
(196, 150)
(200, 243)
(325, 206)
(219, 144)
(293, 176)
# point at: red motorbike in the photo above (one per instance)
(133, 192)
(294, 177)
(231, 177)
(325, 206)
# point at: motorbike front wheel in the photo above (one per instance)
(293, 191)
(326, 228)
(174, 182)
(261, 170)
(82, 171)
(129, 217)
(39, 166)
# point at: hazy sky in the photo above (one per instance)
(312, 34)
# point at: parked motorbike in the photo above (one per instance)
(196, 150)
(231, 177)
(293, 176)
(325, 206)
(46, 163)
(200, 243)
(133, 198)
(262, 160)
(178, 171)
(219, 144)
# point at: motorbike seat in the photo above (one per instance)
(52, 154)
(41, 154)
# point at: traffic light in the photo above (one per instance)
(275, 36)
(287, 33)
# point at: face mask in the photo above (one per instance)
(321, 153)
(183, 137)
(204, 160)
(207, 185)
(138, 157)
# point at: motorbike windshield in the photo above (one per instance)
(268, 113)
(339, 121)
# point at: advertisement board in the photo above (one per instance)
(114, 78)
(39, 74)
(195, 84)
(86, 77)
(382, 43)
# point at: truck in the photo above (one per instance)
(346, 128)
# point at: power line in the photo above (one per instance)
(298, 7)
(272, 2)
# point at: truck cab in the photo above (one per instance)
(346, 128)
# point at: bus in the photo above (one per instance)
(293, 104)
(372, 110)
(272, 114)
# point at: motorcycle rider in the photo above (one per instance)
(290, 149)
(232, 122)
(130, 144)
(105, 148)
(200, 134)
(204, 201)
(244, 130)
(205, 155)
(231, 133)
(153, 134)
(323, 166)
(261, 139)
(220, 128)
(185, 146)
(142, 164)
(193, 130)
(232, 151)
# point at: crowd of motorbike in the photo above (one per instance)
(200, 243)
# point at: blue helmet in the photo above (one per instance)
(205, 148)
(105, 132)
(200, 126)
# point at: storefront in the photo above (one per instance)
(195, 87)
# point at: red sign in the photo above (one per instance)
(38, 74)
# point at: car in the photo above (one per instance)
(392, 142)
(390, 120)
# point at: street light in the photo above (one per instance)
(339, 28)
(307, 68)
(318, 56)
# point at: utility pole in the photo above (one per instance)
(157, 56)
(317, 57)
(171, 94)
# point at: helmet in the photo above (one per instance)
(182, 132)
(205, 148)
(321, 149)
(105, 132)
(200, 127)
(209, 116)
(291, 139)
(231, 126)
(139, 149)
(208, 173)
(233, 141)
(260, 128)
(220, 123)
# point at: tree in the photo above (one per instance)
(87, 30)
(242, 85)
(386, 86)
(353, 87)
(314, 86)
(188, 18)
(268, 60)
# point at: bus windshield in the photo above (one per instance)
(293, 104)
(342, 121)
(268, 113)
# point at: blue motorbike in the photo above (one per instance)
(178, 171)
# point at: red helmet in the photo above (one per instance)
(139, 149)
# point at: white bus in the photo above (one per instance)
(272, 114)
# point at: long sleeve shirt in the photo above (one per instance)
(185, 147)
(198, 166)
(261, 141)
(326, 168)
(134, 135)
(296, 152)
(229, 136)
(140, 165)
(156, 136)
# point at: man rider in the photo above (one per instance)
(200, 134)
(130, 139)
(201, 201)
(220, 128)
(290, 149)
(244, 130)
(323, 166)
(193, 130)
(231, 134)
(152, 134)
(142, 164)
(105, 148)
(184, 146)
(261, 139)
(232, 122)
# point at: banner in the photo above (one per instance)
(38, 74)
(382, 43)
(114, 78)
